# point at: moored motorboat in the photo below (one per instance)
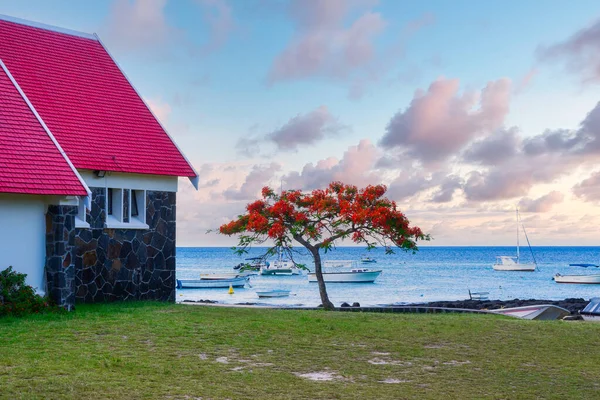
(255, 264)
(583, 279)
(591, 312)
(537, 312)
(356, 275)
(211, 283)
(273, 293)
(280, 267)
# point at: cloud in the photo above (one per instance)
(355, 167)
(440, 122)
(160, 108)
(589, 189)
(526, 80)
(301, 130)
(141, 25)
(494, 149)
(138, 24)
(580, 53)
(542, 204)
(305, 129)
(219, 17)
(259, 176)
(323, 45)
(449, 186)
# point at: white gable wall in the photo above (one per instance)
(23, 237)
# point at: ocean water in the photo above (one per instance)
(432, 274)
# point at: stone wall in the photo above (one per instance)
(126, 264)
(60, 244)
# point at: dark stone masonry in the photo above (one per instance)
(60, 242)
(114, 264)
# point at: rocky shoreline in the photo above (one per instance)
(574, 305)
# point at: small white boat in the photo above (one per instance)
(588, 279)
(509, 263)
(591, 312)
(273, 293)
(538, 312)
(211, 283)
(356, 275)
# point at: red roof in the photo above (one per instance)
(87, 103)
(30, 162)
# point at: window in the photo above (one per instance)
(109, 197)
(80, 218)
(126, 208)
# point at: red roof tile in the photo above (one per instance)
(30, 162)
(87, 103)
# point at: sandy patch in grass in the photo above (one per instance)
(222, 360)
(393, 380)
(455, 363)
(381, 361)
(319, 376)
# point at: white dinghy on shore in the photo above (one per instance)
(591, 312)
(545, 312)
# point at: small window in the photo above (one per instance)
(109, 197)
(126, 205)
(80, 219)
(134, 205)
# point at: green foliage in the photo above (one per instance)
(17, 298)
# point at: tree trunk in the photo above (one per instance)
(327, 304)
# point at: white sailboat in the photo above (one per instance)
(509, 263)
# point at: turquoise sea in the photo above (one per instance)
(432, 274)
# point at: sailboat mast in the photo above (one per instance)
(517, 210)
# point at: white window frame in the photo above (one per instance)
(80, 218)
(115, 220)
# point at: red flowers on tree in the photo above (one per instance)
(318, 219)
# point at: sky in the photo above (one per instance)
(464, 109)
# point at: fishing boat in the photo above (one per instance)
(211, 283)
(509, 263)
(367, 260)
(281, 266)
(591, 312)
(587, 279)
(355, 275)
(254, 264)
(273, 293)
(537, 312)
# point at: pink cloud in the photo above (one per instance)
(589, 189)
(355, 167)
(440, 122)
(323, 44)
(541, 204)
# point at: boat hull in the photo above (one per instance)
(210, 283)
(581, 279)
(591, 317)
(514, 267)
(346, 277)
(538, 312)
(274, 293)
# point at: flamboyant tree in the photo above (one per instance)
(319, 219)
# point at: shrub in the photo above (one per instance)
(17, 298)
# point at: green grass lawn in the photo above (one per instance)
(166, 351)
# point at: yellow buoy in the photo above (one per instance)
(230, 289)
